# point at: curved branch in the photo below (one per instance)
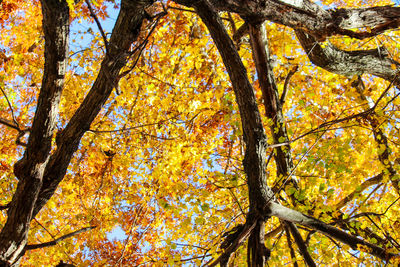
(350, 63)
(311, 17)
(354, 242)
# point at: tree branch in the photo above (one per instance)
(93, 15)
(125, 32)
(30, 169)
(289, 241)
(57, 240)
(11, 108)
(300, 244)
(354, 242)
(312, 18)
(364, 185)
(349, 63)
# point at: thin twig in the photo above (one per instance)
(98, 24)
(9, 124)
(132, 128)
(374, 213)
(384, 92)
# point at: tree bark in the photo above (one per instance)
(263, 204)
(30, 169)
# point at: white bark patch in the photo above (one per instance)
(287, 214)
(359, 19)
(295, 3)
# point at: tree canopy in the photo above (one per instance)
(201, 132)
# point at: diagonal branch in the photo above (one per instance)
(57, 240)
(289, 241)
(96, 19)
(364, 185)
(125, 32)
(354, 242)
(300, 244)
(10, 106)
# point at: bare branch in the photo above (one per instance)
(300, 244)
(349, 63)
(4, 207)
(57, 240)
(11, 108)
(289, 241)
(286, 84)
(10, 124)
(93, 15)
(354, 242)
(364, 185)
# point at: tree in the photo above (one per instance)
(196, 127)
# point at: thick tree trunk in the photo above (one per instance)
(30, 169)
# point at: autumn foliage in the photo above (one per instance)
(151, 151)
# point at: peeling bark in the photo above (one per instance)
(312, 18)
(125, 32)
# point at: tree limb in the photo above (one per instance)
(57, 240)
(312, 18)
(125, 32)
(364, 185)
(354, 242)
(349, 63)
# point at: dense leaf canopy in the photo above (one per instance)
(201, 132)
